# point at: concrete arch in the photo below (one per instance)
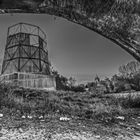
(117, 20)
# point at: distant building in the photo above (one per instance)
(98, 86)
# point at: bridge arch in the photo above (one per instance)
(116, 20)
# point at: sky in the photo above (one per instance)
(73, 49)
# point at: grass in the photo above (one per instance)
(83, 105)
(130, 101)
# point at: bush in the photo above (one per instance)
(77, 89)
(131, 101)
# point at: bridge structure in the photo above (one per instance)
(26, 60)
(116, 20)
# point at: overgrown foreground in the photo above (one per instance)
(35, 114)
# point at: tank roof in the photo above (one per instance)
(26, 28)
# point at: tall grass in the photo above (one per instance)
(130, 101)
(83, 105)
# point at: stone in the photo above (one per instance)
(23, 117)
(30, 117)
(1, 115)
(64, 119)
(120, 117)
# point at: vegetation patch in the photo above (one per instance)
(82, 105)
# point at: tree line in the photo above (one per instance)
(127, 79)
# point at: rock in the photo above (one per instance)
(120, 117)
(1, 115)
(20, 130)
(40, 117)
(98, 136)
(23, 117)
(64, 119)
(30, 117)
(42, 120)
(138, 124)
(2, 11)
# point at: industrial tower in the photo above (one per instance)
(26, 57)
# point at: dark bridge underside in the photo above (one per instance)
(117, 20)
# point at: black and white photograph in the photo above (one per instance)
(69, 69)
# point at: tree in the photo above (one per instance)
(129, 69)
(109, 85)
(121, 83)
(71, 81)
(61, 81)
(135, 82)
(97, 79)
(129, 78)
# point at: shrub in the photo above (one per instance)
(130, 101)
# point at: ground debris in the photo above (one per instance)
(54, 129)
(1, 115)
(120, 117)
(64, 119)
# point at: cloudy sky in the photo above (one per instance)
(73, 49)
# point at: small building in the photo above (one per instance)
(26, 62)
(98, 87)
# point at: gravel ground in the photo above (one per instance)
(51, 128)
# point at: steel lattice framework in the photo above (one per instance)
(26, 50)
